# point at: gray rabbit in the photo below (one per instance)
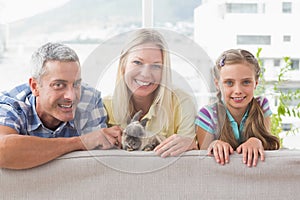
(135, 138)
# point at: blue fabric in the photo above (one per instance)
(17, 110)
(234, 125)
(208, 121)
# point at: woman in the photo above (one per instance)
(144, 83)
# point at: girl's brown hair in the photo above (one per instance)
(255, 124)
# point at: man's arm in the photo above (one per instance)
(22, 151)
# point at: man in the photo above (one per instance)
(52, 115)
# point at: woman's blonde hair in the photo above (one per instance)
(122, 104)
(255, 124)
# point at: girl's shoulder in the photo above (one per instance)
(264, 105)
(210, 110)
(261, 100)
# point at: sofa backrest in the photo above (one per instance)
(118, 174)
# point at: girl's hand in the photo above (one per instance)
(174, 145)
(251, 149)
(221, 150)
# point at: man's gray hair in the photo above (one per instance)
(50, 52)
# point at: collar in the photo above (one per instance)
(231, 119)
(237, 130)
(152, 111)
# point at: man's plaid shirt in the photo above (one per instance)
(17, 110)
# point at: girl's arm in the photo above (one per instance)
(219, 149)
(204, 138)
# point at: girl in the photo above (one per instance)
(144, 83)
(238, 121)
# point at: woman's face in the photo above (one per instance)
(143, 70)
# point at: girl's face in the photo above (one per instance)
(143, 70)
(237, 83)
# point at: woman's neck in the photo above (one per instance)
(142, 103)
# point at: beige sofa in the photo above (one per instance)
(117, 174)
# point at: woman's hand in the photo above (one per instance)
(174, 145)
(221, 151)
(251, 149)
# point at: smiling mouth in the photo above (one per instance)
(238, 98)
(65, 106)
(142, 83)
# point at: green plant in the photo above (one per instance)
(284, 98)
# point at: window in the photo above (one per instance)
(286, 7)
(286, 38)
(295, 64)
(171, 15)
(253, 39)
(82, 25)
(241, 8)
(276, 62)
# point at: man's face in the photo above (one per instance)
(57, 93)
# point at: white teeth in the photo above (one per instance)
(66, 106)
(141, 83)
(238, 98)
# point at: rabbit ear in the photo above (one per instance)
(137, 116)
(144, 122)
(128, 120)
